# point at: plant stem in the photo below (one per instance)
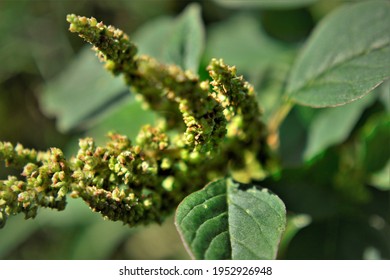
(275, 122)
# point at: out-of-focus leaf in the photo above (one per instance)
(337, 239)
(96, 238)
(376, 137)
(99, 240)
(381, 178)
(270, 88)
(313, 182)
(177, 41)
(295, 222)
(18, 230)
(81, 95)
(125, 119)
(76, 212)
(240, 41)
(293, 138)
(147, 240)
(228, 220)
(384, 94)
(333, 125)
(283, 4)
(188, 44)
(151, 38)
(82, 92)
(15, 55)
(345, 58)
(15, 233)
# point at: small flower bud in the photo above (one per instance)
(167, 184)
(147, 203)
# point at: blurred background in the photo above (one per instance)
(53, 91)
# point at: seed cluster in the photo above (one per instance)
(209, 125)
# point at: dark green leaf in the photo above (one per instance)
(346, 57)
(376, 137)
(376, 158)
(333, 125)
(295, 222)
(293, 135)
(339, 239)
(314, 183)
(384, 94)
(229, 220)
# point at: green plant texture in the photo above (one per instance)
(168, 125)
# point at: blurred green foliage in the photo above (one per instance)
(334, 175)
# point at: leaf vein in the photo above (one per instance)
(256, 222)
(200, 226)
(199, 205)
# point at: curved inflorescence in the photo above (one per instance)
(142, 182)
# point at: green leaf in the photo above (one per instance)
(265, 3)
(229, 220)
(293, 135)
(127, 119)
(346, 57)
(381, 179)
(384, 94)
(152, 37)
(339, 239)
(295, 222)
(376, 157)
(15, 233)
(241, 42)
(15, 51)
(82, 92)
(188, 44)
(333, 125)
(90, 245)
(19, 230)
(177, 41)
(148, 239)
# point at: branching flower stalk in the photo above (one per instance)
(214, 123)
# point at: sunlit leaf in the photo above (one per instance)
(345, 58)
(381, 178)
(229, 220)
